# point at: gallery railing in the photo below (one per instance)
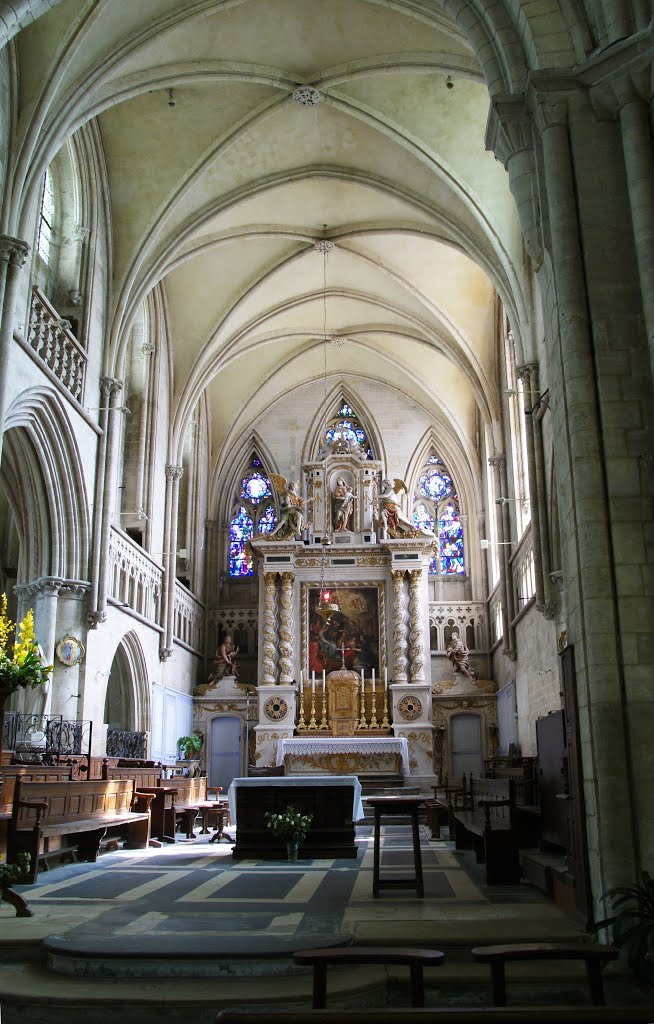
(135, 578)
(55, 344)
(188, 618)
(121, 743)
(46, 739)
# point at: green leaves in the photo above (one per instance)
(289, 824)
(10, 873)
(633, 922)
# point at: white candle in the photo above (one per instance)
(323, 680)
(313, 683)
(363, 681)
(386, 678)
(373, 680)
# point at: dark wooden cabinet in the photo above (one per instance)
(553, 779)
(332, 830)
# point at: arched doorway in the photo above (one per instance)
(226, 750)
(127, 700)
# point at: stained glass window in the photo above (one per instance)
(46, 220)
(437, 510)
(254, 514)
(346, 429)
(450, 539)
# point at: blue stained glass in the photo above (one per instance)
(241, 529)
(267, 521)
(434, 460)
(345, 410)
(255, 487)
(422, 519)
(435, 485)
(450, 536)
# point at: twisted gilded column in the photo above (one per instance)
(416, 631)
(286, 628)
(399, 627)
(268, 645)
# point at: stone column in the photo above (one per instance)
(269, 631)
(497, 463)
(286, 628)
(636, 128)
(416, 628)
(399, 627)
(13, 254)
(45, 594)
(585, 529)
(111, 391)
(173, 476)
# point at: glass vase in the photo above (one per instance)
(292, 849)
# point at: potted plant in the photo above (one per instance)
(291, 826)
(11, 873)
(633, 924)
(190, 745)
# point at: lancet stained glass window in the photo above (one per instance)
(346, 432)
(254, 514)
(437, 509)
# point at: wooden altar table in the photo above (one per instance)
(344, 755)
(334, 802)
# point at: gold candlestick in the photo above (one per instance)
(312, 721)
(301, 723)
(323, 721)
(362, 723)
(373, 702)
(385, 722)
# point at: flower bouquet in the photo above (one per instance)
(291, 826)
(23, 666)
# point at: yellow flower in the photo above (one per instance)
(25, 643)
(6, 625)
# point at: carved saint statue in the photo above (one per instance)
(225, 661)
(292, 509)
(457, 652)
(342, 506)
(396, 523)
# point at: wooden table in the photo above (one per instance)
(405, 807)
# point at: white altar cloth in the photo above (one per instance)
(346, 745)
(299, 780)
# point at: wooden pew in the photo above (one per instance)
(45, 814)
(595, 956)
(487, 824)
(414, 959)
(189, 799)
(30, 773)
(445, 1015)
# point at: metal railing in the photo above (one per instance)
(46, 739)
(121, 743)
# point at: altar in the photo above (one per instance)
(367, 756)
(333, 803)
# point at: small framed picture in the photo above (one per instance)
(70, 650)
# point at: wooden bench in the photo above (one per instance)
(44, 814)
(445, 1015)
(487, 824)
(594, 956)
(321, 959)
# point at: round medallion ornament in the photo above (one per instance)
(275, 708)
(410, 707)
(70, 650)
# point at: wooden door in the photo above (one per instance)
(226, 751)
(465, 745)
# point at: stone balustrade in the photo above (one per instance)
(54, 343)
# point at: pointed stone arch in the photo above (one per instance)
(42, 475)
(339, 393)
(127, 699)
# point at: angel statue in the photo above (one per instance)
(292, 509)
(396, 523)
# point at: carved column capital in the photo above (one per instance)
(13, 251)
(111, 386)
(174, 472)
(525, 371)
(95, 618)
(497, 461)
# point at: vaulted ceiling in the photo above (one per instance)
(220, 190)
